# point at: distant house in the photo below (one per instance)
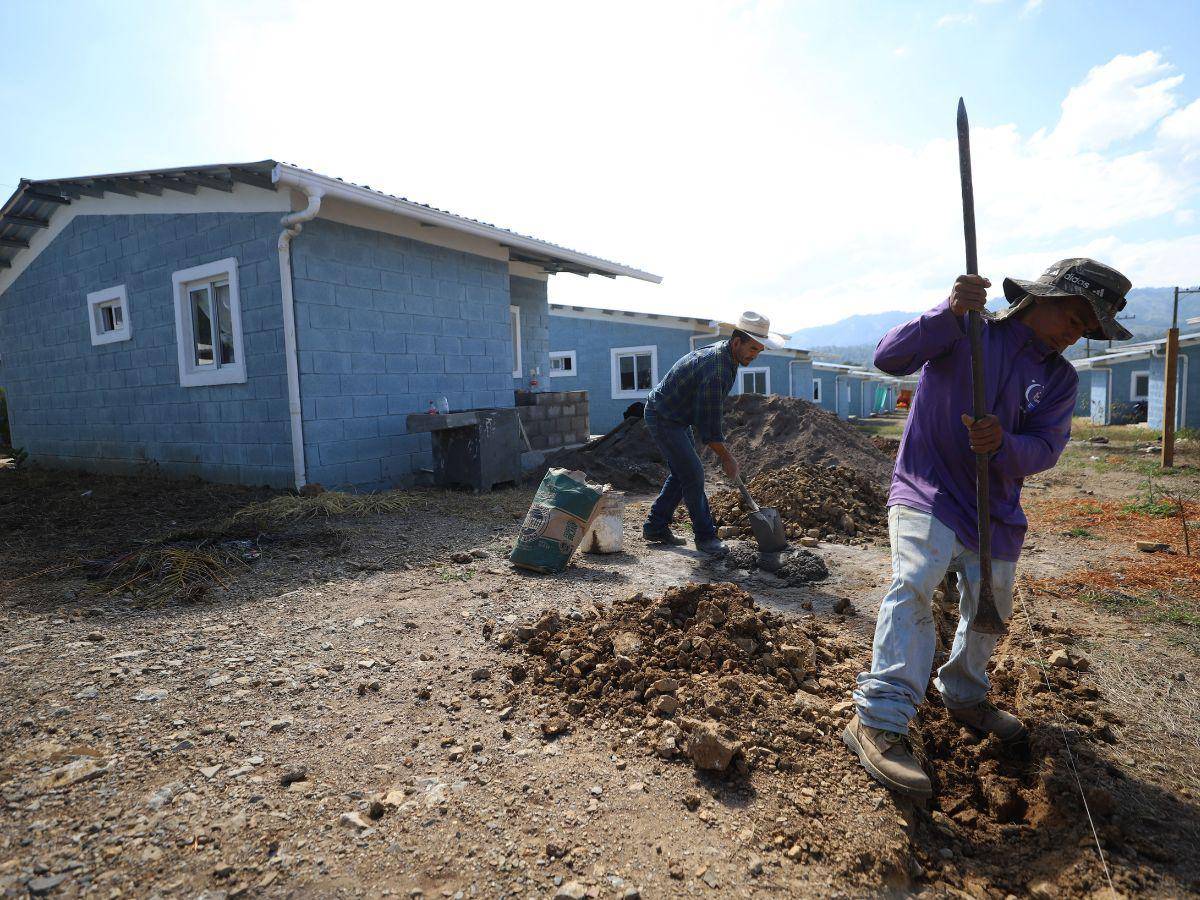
(259, 323)
(1129, 386)
(618, 356)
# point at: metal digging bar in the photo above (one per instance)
(987, 619)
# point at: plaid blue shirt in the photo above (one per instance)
(694, 391)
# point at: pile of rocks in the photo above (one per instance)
(829, 503)
(700, 672)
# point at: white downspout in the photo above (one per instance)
(292, 223)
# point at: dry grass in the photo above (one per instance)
(289, 508)
(174, 571)
(1164, 584)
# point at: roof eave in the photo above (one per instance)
(363, 196)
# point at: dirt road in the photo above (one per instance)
(346, 718)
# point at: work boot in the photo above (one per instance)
(887, 758)
(985, 717)
(712, 546)
(661, 536)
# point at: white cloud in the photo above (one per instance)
(952, 19)
(1118, 100)
(901, 52)
(1181, 130)
(1030, 7)
(694, 146)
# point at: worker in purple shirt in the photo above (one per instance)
(1031, 391)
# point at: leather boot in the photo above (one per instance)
(887, 758)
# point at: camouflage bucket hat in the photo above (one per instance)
(1102, 286)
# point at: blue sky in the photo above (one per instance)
(795, 158)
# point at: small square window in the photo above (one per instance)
(208, 325)
(562, 363)
(634, 371)
(108, 315)
(1139, 388)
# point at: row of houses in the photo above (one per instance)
(617, 356)
(260, 323)
(1129, 386)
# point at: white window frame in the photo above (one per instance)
(1133, 394)
(514, 323)
(564, 354)
(109, 297)
(191, 375)
(615, 355)
(816, 395)
(738, 388)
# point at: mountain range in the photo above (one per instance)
(852, 340)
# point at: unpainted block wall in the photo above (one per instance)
(384, 325)
(117, 407)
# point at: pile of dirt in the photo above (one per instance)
(703, 677)
(830, 503)
(762, 432)
(766, 432)
(626, 457)
(886, 445)
(711, 676)
(793, 567)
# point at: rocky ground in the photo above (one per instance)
(379, 705)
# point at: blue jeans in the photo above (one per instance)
(923, 550)
(686, 481)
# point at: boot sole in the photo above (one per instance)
(851, 741)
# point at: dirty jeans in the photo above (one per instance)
(686, 481)
(923, 550)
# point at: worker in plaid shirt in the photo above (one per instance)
(692, 395)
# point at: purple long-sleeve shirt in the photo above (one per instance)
(1030, 388)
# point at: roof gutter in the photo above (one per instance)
(332, 187)
(292, 223)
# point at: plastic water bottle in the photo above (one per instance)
(443, 406)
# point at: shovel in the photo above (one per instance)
(765, 523)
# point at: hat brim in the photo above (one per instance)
(1015, 290)
(770, 341)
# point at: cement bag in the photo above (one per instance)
(558, 518)
(608, 528)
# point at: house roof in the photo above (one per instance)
(706, 327)
(34, 203)
(1133, 352)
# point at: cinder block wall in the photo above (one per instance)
(593, 340)
(529, 295)
(384, 324)
(117, 407)
(553, 418)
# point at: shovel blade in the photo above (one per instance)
(988, 621)
(768, 530)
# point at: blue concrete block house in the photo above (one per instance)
(259, 323)
(1129, 386)
(618, 356)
